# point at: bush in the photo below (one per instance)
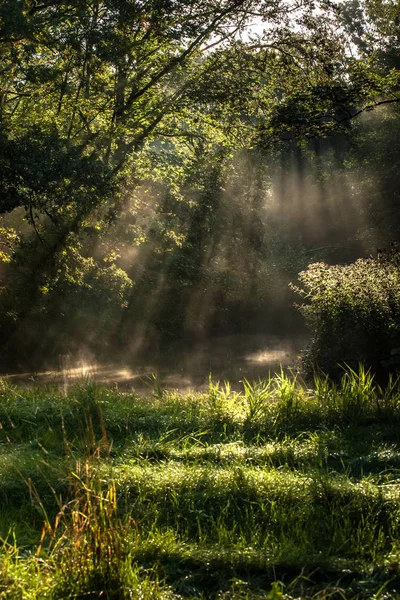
(353, 312)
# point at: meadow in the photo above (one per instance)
(281, 490)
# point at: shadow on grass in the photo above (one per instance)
(226, 573)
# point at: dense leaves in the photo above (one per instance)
(354, 313)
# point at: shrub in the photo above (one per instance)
(353, 312)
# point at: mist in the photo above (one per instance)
(193, 279)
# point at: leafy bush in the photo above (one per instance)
(353, 312)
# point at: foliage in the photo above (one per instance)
(371, 170)
(374, 29)
(353, 312)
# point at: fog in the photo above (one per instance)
(192, 280)
(182, 368)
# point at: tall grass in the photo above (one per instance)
(277, 491)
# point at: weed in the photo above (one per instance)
(258, 397)
(153, 382)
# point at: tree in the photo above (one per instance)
(97, 97)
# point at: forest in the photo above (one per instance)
(199, 207)
(168, 168)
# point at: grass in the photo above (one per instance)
(279, 491)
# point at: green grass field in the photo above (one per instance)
(278, 491)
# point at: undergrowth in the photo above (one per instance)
(277, 491)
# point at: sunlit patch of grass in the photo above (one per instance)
(301, 514)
